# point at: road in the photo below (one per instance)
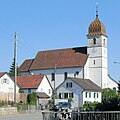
(27, 116)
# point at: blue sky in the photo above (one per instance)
(55, 24)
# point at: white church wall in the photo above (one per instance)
(60, 74)
(104, 77)
(86, 70)
(112, 84)
(96, 76)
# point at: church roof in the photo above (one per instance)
(26, 65)
(63, 58)
(97, 28)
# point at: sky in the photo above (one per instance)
(55, 24)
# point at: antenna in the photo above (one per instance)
(97, 9)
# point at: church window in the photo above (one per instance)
(114, 88)
(49, 91)
(65, 75)
(94, 62)
(104, 41)
(53, 77)
(94, 40)
(77, 72)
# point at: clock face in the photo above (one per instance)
(94, 50)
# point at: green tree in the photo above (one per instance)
(110, 101)
(12, 69)
(108, 93)
(31, 98)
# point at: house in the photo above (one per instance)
(34, 83)
(7, 87)
(86, 62)
(80, 90)
(38, 83)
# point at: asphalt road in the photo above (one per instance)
(27, 116)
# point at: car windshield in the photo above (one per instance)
(63, 104)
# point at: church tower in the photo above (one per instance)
(97, 50)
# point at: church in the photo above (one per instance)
(86, 62)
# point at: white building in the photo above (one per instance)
(34, 83)
(7, 83)
(90, 62)
(80, 90)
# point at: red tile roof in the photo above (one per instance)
(2, 73)
(63, 58)
(29, 81)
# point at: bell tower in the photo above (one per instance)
(97, 50)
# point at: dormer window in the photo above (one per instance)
(94, 41)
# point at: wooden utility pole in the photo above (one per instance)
(54, 96)
(15, 68)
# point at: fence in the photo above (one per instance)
(96, 115)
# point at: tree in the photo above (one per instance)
(31, 98)
(110, 101)
(12, 69)
(108, 93)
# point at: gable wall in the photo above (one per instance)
(45, 87)
(8, 86)
(76, 90)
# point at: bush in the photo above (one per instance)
(31, 98)
(89, 106)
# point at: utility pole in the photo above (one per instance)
(54, 96)
(15, 68)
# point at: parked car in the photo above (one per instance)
(63, 105)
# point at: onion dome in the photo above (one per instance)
(97, 28)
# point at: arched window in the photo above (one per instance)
(104, 41)
(65, 75)
(94, 40)
(53, 77)
(77, 73)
